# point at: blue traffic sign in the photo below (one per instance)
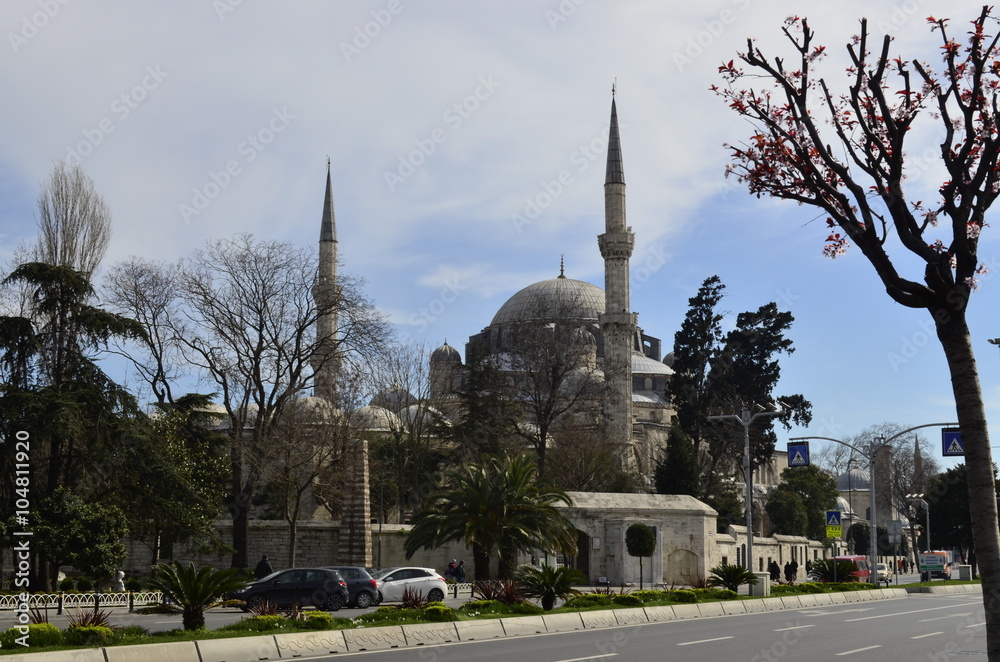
(951, 442)
(798, 453)
(833, 518)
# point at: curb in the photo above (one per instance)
(303, 644)
(947, 590)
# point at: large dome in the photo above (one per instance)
(556, 298)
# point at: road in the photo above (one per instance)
(923, 626)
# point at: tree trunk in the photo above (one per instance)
(953, 333)
(481, 562)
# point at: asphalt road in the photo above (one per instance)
(919, 627)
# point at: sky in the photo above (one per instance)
(467, 142)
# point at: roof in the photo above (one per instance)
(554, 299)
(634, 504)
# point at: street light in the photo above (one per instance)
(746, 419)
(875, 446)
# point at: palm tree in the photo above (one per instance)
(548, 583)
(190, 592)
(494, 508)
(731, 576)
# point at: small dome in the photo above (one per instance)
(643, 365)
(855, 479)
(423, 413)
(313, 410)
(843, 506)
(374, 419)
(446, 354)
(554, 299)
(394, 399)
(668, 360)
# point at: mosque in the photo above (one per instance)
(630, 407)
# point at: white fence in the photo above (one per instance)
(83, 600)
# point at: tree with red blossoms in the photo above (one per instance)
(844, 153)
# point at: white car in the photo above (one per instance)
(393, 581)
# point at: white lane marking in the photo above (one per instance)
(703, 641)
(592, 657)
(975, 625)
(941, 618)
(929, 634)
(797, 627)
(859, 650)
(905, 613)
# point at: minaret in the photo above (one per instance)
(325, 362)
(618, 323)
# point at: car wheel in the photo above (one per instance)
(435, 595)
(254, 602)
(363, 600)
(379, 598)
(334, 603)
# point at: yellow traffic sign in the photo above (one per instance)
(834, 532)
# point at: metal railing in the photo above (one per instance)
(63, 600)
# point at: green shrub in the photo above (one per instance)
(651, 596)
(589, 600)
(811, 587)
(683, 596)
(315, 620)
(627, 601)
(133, 585)
(784, 589)
(493, 607)
(44, 634)
(438, 612)
(39, 635)
(84, 585)
(67, 584)
(88, 635)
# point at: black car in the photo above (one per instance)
(322, 588)
(361, 586)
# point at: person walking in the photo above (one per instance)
(263, 568)
(460, 572)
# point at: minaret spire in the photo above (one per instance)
(325, 361)
(618, 323)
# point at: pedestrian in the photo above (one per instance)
(263, 568)
(795, 569)
(460, 572)
(775, 571)
(788, 572)
(450, 571)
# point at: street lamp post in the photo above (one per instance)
(876, 444)
(919, 498)
(746, 419)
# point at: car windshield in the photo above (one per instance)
(269, 577)
(379, 574)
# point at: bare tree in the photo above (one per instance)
(148, 293)
(74, 222)
(413, 448)
(245, 320)
(847, 155)
(551, 365)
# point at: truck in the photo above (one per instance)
(934, 565)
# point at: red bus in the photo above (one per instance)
(862, 572)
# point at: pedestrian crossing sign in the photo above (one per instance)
(833, 518)
(798, 454)
(951, 442)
